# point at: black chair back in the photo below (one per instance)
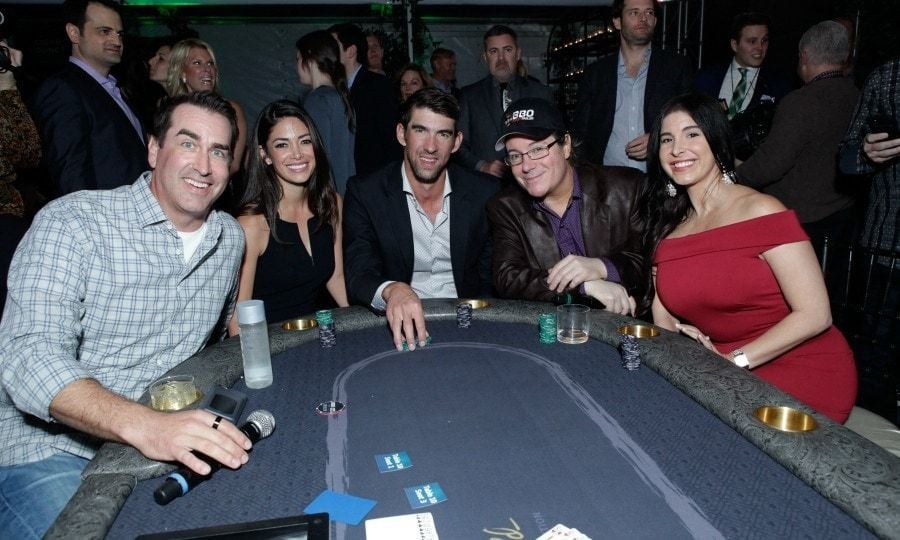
(864, 289)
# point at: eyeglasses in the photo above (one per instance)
(537, 152)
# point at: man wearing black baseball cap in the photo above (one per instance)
(563, 229)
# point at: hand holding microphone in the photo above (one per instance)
(259, 425)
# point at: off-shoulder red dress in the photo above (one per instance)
(716, 281)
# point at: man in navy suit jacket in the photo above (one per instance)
(418, 228)
(481, 108)
(91, 137)
(750, 43)
(374, 102)
(620, 95)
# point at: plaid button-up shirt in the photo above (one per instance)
(881, 96)
(99, 289)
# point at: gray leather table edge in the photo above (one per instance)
(850, 471)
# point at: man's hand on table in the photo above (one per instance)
(175, 436)
(405, 315)
(573, 270)
(89, 407)
(613, 296)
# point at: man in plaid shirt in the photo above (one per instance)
(107, 291)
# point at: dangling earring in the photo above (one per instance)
(728, 176)
(670, 189)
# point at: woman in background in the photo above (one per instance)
(319, 66)
(733, 268)
(412, 78)
(20, 148)
(291, 216)
(158, 64)
(193, 68)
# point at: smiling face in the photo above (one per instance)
(200, 72)
(428, 141)
(289, 151)
(637, 23)
(100, 42)
(410, 82)
(684, 152)
(549, 176)
(159, 64)
(751, 49)
(190, 165)
(502, 56)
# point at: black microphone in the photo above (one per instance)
(259, 425)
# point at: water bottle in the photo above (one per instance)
(255, 343)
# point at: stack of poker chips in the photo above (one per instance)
(325, 320)
(464, 315)
(631, 355)
(547, 324)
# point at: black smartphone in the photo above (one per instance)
(225, 403)
(884, 123)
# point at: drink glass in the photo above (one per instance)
(573, 323)
(173, 393)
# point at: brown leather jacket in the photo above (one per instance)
(525, 248)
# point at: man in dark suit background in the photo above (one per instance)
(483, 102)
(746, 83)
(762, 84)
(640, 78)
(443, 71)
(417, 228)
(91, 137)
(374, 102)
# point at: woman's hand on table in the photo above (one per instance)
(694, 333)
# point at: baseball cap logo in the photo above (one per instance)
(519, 116)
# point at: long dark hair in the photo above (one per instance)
(322, 49)
(263, 191)
(660, 213)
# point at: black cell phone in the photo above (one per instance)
(884, 123)
(226, 403)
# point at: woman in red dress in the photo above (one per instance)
(733, 268)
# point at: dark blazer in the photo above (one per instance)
(88, 142)
(797, 163)
(378, 241)
(770, 86)
(481, 116)
(668, 75)
(525, 248)
(375, 105)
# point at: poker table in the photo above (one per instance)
(519, 435)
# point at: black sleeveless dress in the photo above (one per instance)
(287, 279)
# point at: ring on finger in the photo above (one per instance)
(216, 422)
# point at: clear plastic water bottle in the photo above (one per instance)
(255, 343)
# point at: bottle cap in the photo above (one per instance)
(251, 311)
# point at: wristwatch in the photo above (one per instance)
(740, 359)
